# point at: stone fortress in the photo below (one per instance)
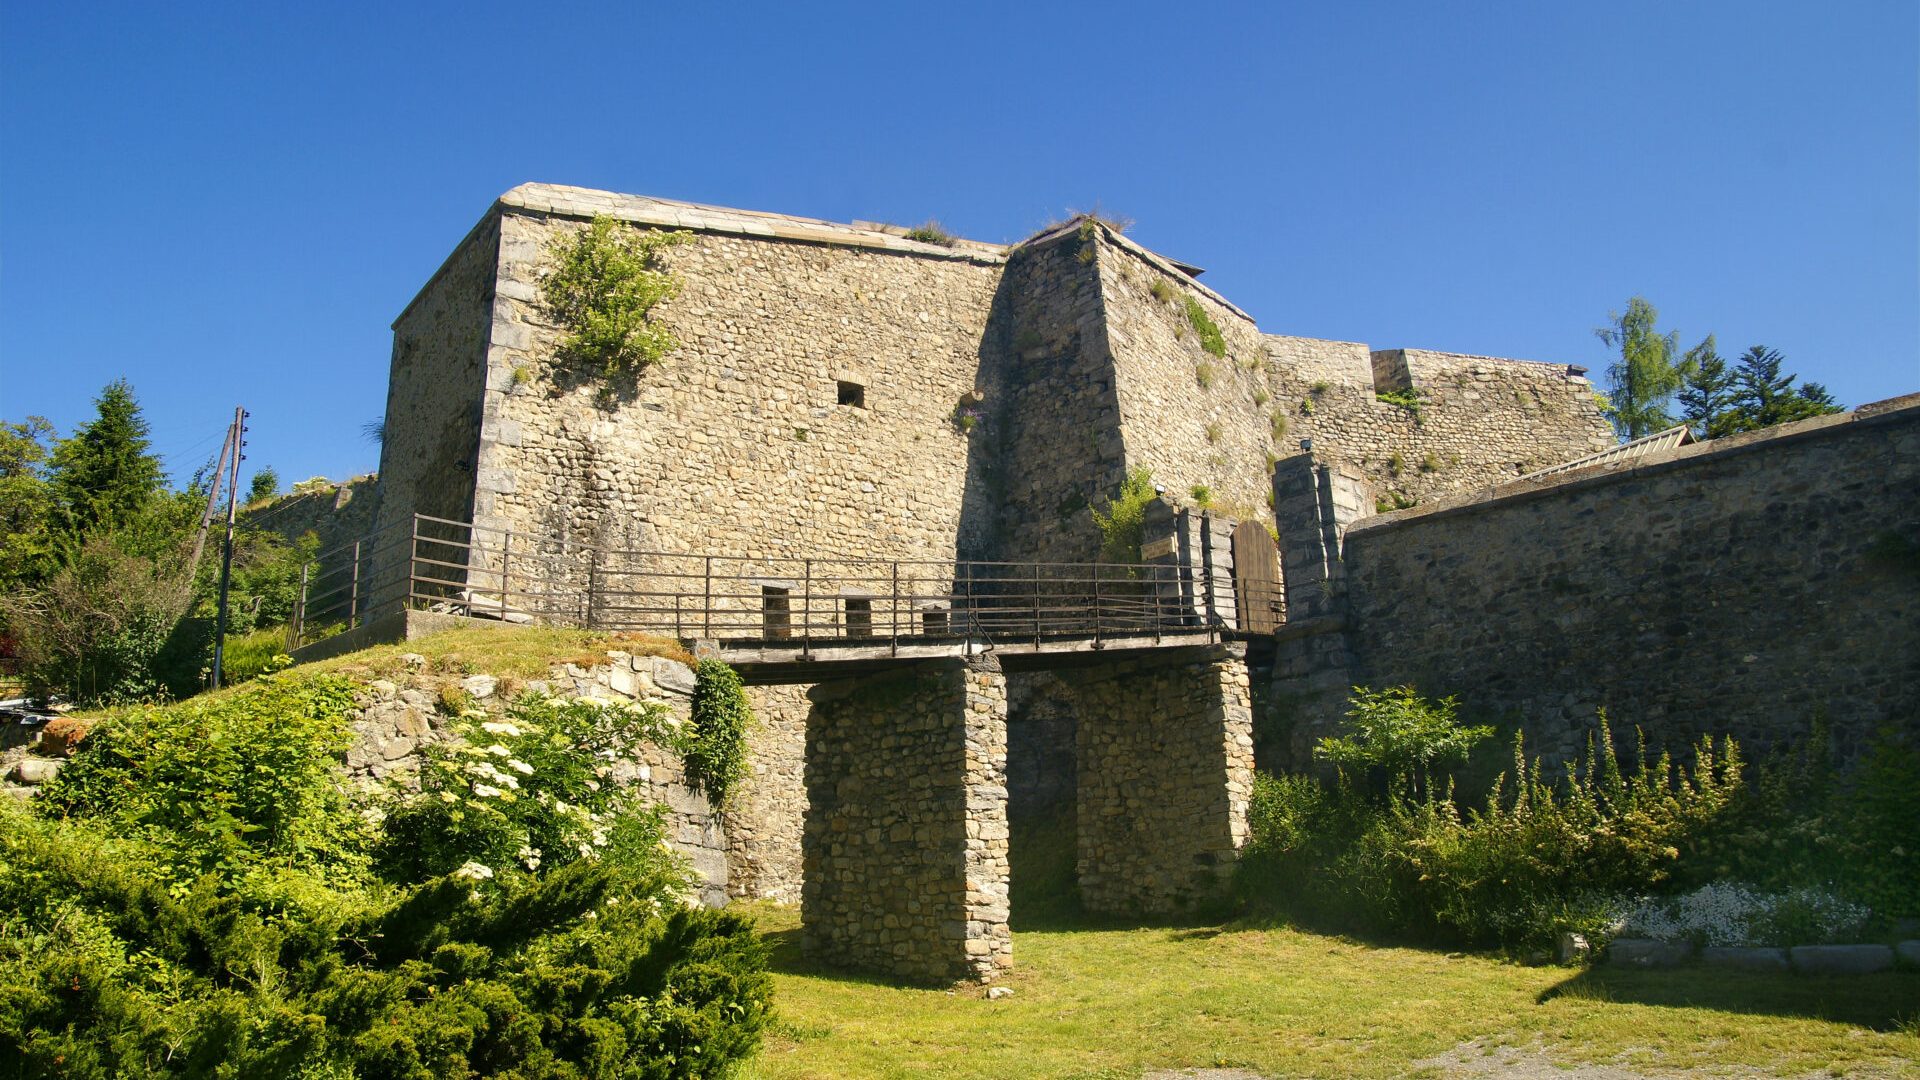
(846, 390)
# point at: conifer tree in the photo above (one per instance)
(102, 476)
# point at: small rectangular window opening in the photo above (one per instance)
(776, 613)
(859, 617)
(852, 393)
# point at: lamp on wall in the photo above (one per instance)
(1306, 444)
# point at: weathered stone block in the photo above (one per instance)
(1648, 952)
(1841, 959)
(1754, 958)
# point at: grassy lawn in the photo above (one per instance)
(1117, 1002)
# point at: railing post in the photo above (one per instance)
(806, 608)
(1096, 605)
(1036, 607)
(413, 565)
(588, 617)
(353, 601)
(706, 602)
(894, 611)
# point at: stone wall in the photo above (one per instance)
(1055, 418)
(1165, 749)
(431, 429)
(766, 814)
(906, 832)
(738, 444)
(1745, 586)
(1482, 421)
(337, 514)
(1190, 418)
(396, 719)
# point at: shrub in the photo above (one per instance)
(253, 654)
(205, 908)
(1403, 735)
(1734, 914)
(1536, 858)
(1203, 374)
(717, 756)
(1205, 329)
(1125, 518)
(601, 289)
(534, 788)
(1410, 399)
(931, 232)
(1202, 496)
(236, 785)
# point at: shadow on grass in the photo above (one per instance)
(1888, 1001)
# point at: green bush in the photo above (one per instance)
(1205, 329)
(195, 896)
(1125, 517)
(104, 973)
(717, 754)
(1536, 858)
(234, 785)
(253, 654)
(601, 289)
(531, 789)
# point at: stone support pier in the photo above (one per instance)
(1165, 747)
(905, 844)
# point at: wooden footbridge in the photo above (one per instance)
(802, 619)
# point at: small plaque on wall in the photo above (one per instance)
(1157, 549)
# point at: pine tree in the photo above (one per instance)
(1764, 396)
(102, 476)
(1707, 391)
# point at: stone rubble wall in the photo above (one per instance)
(1187, 416)
(906, 832)
(431, 429)
(1746, 586)
(395, 720)
(1055, 417)
(766, 814)
(1165, 749)
(736, 445)
(1483, 420)
(336, 515)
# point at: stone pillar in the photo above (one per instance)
(1314, 503)
(1166, 767)
(905, 844)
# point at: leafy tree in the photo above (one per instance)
(27, 554)
(1763, 396)
(1646, 376)
(266, 485)
(102, 476)
(601, 290)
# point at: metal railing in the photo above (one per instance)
(457, 568)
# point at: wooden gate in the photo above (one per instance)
(1256, 578)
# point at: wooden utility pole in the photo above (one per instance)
(238, 438)
(213, 501)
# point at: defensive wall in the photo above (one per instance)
(844, 390)
(1750, 586)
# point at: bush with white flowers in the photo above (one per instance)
(533, 788)
(1728, 913)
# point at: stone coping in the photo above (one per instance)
(577, 202)
(1859, 959)
(1904, 409)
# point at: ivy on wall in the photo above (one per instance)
(717, 759)
(601, 289)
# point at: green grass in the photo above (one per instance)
(1282, 1002)
(525, 652)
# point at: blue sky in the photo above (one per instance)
(229, 204)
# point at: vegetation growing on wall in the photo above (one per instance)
(1410, 399)
(1211, 340)
(717, 755)
(1121, 526)
(931, 231)
(601, 289)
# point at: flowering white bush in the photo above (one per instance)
(1728, 913)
